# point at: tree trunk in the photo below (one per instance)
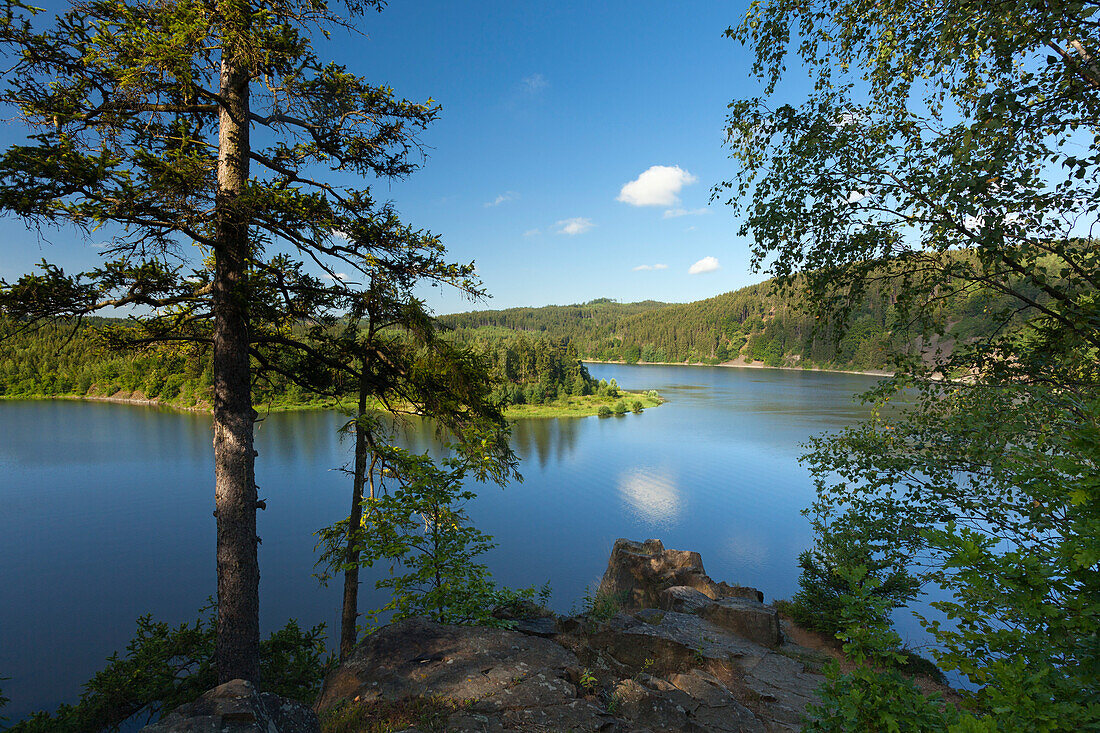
(355, 521)
(238, 641)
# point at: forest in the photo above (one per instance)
(534, 355)
(65, 359)
(763, 323)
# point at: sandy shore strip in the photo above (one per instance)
(742, 364)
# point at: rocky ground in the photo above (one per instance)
(682, 653)
(663, 649)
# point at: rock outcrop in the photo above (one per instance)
(773, 682)
(690, 702)
(494, 679)
(685, 654)
(236, 707)
(638, 572)
(646, 575)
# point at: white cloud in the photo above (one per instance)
(576, 225)
(341, 235)
(846, 119)
(707, 264)
(673, 213)
(650, 267)
(534, 83)
(532, 233)
(341, 276)
(854, 197)
(506, 196)
(657, 186)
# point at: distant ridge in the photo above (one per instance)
(755, 324)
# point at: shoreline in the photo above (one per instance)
(103, 398)
(520, 411)
(733, 364)
(145, 402)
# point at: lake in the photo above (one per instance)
(105, 510)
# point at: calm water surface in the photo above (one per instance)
(105, 510)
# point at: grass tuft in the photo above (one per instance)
(429, 714)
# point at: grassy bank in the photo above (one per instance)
(123, 397)
(580, 406)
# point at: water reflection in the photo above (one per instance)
(545, 439)
(314, 436)
(651, 494)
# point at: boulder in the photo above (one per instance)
(546, 627)
(683, 599)
(725, 590)
(237, 707)
(417, 657)
(637, 573)
(784, 687)
(688, 655)
(747, 618)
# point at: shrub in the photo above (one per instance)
(620, 408)
(637, 406)
(166, 666)
(602, 606)
(604, 411)
(844, 543)
(874, 694)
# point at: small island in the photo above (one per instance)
(588, 405)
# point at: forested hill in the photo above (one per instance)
(751, 324)
(532, 353)
(63, 359)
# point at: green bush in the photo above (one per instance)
(167, 666)
(824, 589)
(874, 695)
(637, 406)
(620, 408)
(604, 411)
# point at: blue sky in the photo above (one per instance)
(548, 111)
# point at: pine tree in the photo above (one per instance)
(142, 118)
